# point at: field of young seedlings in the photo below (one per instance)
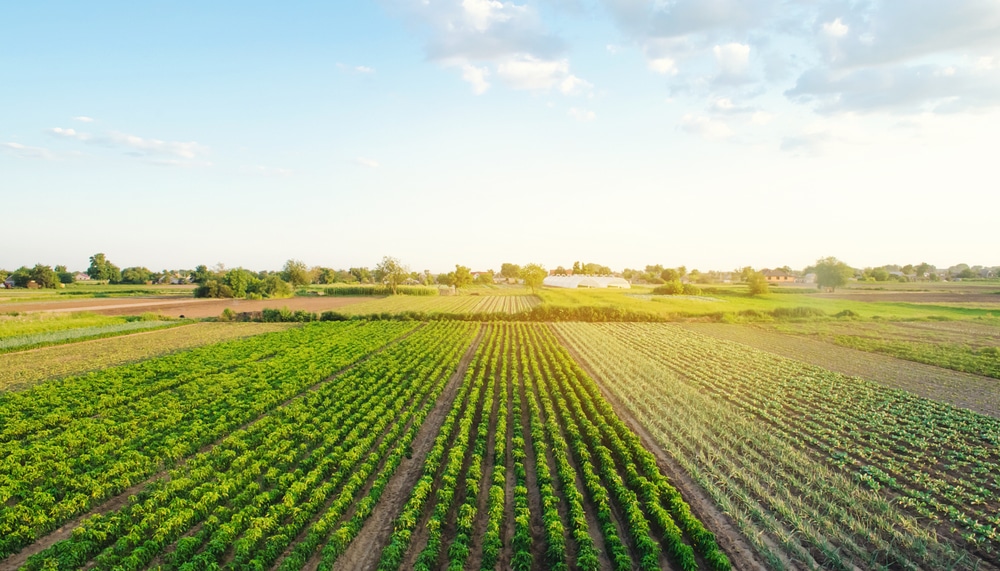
(819, 469)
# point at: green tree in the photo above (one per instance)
(757, 283)
(296, 272)
(21, 276)
(325, 276)
(65, 276)
(44, 276)
(102, 269)
(832, 273)
(533, 275)
(391, 272)
(3, 275)
(485, 278)
(135, 275)
(361, 275)
(240, 281)
(271, 286)
(463, 277)
(670, 275)
(201, 274)
(510, 271)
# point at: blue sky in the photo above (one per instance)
(710, 133)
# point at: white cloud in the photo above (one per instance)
(69, 133)
(572, 85)
(733, 58)
(184, 150)
(362, 69)
(663, 65)
(25, 152)
(835, 29)
(530, 73)
(482, 14)
(366, 162)
(613, 49)
(582, 115)
(705, 127)
(761, 118)
(83, 119)
(476, 77)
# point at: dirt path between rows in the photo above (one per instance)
(366, 549)
(727, 535)
(117, 502)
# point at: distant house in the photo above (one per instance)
(81, 277)
(9, 283)
(778, 276)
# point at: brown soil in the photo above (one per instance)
(915, 297)
(366, 549)
(960, 389)
(727, 535)
(188, 307)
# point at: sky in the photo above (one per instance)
(713, 134)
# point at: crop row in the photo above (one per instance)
(295, 486)
(568, 453)
(795, 450)
(67, 445)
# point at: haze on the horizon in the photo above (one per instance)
(711, 133)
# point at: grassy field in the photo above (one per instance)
(87, 290)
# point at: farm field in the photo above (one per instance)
(27, 331)
(818, 469)
(969, 346)
(523, 464)
(80, 291)
(398, 444)
(457, 304)
(188, 307)
(974, 392)
(24, 368)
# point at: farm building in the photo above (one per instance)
(81, 277)
(586, 281)
(778, 276)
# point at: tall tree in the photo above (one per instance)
(533, 275)
(391, 272)
(832, 273)
(44, 276)
(757, 283)
(463, 277)
(296, 272)
(102, 269)
(510, 271)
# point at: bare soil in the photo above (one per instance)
(727, 535)
(366, 549)
(960, 389)
(187, 307)
(979, 297)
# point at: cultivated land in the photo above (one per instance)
(24, 368)
(393, 443)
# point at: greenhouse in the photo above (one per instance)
(586, 281)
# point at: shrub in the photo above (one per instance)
(670, 288)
